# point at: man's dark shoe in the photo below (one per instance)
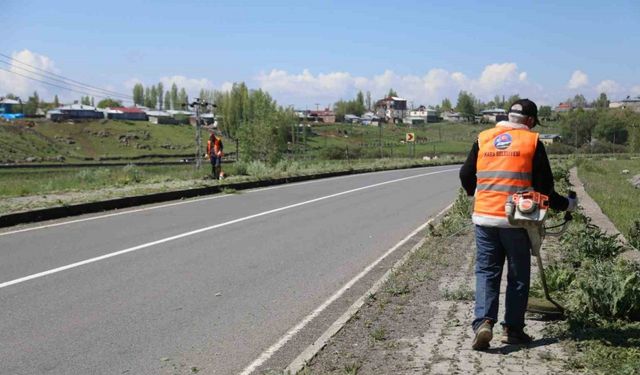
(483, 336)
(515, 336)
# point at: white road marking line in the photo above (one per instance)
(173, 204)
(306, 355)
(191, 233)
(298, 327)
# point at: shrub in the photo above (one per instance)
(560, 149)
(589, 242)
(634, 234)
(605, 290)
(259, 170)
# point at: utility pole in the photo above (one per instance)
(199, 104)
(380, 138)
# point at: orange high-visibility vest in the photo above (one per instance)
(504, 166)
(213, 148)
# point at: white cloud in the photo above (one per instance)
(13, 81)
(635, 90)
(609, 87)
(191, 85)
(307, 88)
(578, 79)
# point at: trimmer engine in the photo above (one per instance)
(525, 208)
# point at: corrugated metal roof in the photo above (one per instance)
(8, 101)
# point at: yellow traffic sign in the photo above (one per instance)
(411, 137)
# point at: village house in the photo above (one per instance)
(10, 109)
(494, 115)
(392, 108)
(125, 113)
(325, 116)
(75, 112)
(548, 139)
(421, 115)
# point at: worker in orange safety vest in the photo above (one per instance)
(504, 160)
(215, 154)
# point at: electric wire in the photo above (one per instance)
(70, 81)
(58, 86)
(44, 76)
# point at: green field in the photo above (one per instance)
(94, 140)
(604, 181)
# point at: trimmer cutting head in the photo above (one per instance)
(545, 308)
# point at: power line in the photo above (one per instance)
(63, 77)
(43, 76)
(58, 86)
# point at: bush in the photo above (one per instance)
(605, 290)
(634, 234)
(259, 170)
(600, 147)
(559, 149)
(589, 242)
(342, 153)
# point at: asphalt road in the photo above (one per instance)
(208, 283)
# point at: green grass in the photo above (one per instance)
(93, 140)
(604, 181)
(25, 182)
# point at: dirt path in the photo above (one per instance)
(427, 330)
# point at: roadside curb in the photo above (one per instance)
(593, 210)
(126, 202)
(308, 353)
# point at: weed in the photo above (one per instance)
(352, 368)
(379, 334)
(634, 234)
(461, 293)
(229, 190)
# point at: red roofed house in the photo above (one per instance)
(125, 113)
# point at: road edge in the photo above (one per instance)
(308, 353)
(59, 212)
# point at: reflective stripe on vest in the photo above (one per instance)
(504, 167)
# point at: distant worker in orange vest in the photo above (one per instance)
(505, 159)
(215, 153)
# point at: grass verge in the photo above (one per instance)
(601, 294)
(611, 189)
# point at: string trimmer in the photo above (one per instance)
(528, 210)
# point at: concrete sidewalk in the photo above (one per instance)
(445, 346)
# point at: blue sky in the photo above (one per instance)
(318, 52)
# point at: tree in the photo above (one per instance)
(368, 101)
(392, 92)
(147, 97)
(512, 99)
(56, 101)
(167, 101)
(611, 127)
(160, 91)
(138, 94)
(31, 107)
(85, 100)
(465, 105)
(183, 98)
(174, 96)
(360, 107)
(578, 101)
(153, 97)
(109, 103)
(576, 127)
(544, 111)
(446, 105)
(602, 101)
